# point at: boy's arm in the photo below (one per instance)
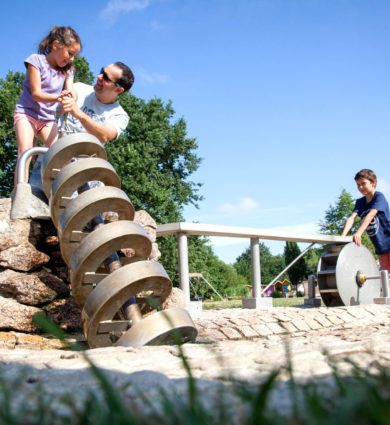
(37, 94)
(349, 223)
(357, 236)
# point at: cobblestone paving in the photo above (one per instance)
(245, 324)
(235, 344)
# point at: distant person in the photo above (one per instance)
(97, 110)
(373, 209)
(49, 78)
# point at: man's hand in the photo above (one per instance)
(69, 105)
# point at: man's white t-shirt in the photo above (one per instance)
(103, 113)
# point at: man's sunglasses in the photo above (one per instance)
(108, 79)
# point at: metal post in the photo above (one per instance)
(311, 299)
(183, 266)
(311, 286)
(256, 272)
(385, 283)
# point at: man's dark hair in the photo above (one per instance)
(127, 79)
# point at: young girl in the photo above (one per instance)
(49, 77)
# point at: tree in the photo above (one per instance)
(297, 272)
(221, 276)
(82, 72)
(155, 159)
(335, 216)
(270, 265)
(10, 89)
(312, 258)
(201, 259)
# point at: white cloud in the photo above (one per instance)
(240, 207)
(150, 77)
(116, 7)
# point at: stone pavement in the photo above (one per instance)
(235, 344)
(238, 324)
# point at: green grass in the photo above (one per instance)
(237, 303)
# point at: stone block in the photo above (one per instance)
(263, 302)
(382, 300)
(312, 302)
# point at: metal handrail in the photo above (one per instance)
(21, 163)
(182, 230)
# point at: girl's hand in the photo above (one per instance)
(63, 94)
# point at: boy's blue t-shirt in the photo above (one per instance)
(379, 228)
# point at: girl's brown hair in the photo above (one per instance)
(64, 35)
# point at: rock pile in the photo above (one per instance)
(33, 275)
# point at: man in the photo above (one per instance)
(97, 110)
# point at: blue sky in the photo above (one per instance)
(286, 98)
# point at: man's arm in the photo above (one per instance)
(104, 132)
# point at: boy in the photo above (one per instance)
(374, 211)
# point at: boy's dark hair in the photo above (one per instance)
(127, 79)
(366, 173)
(65, 35)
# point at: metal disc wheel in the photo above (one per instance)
(80, 145)
(166, 327)
(143, 279)
(336, 276)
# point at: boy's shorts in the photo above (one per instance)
(37, 125)
(384, 261)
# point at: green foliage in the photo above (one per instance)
(336, 215)
(297, 272)
(155, 159)
(312, 258)
(82, 71)
(270, 265)
(201, 259)
(221, 276)
(10, 90)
